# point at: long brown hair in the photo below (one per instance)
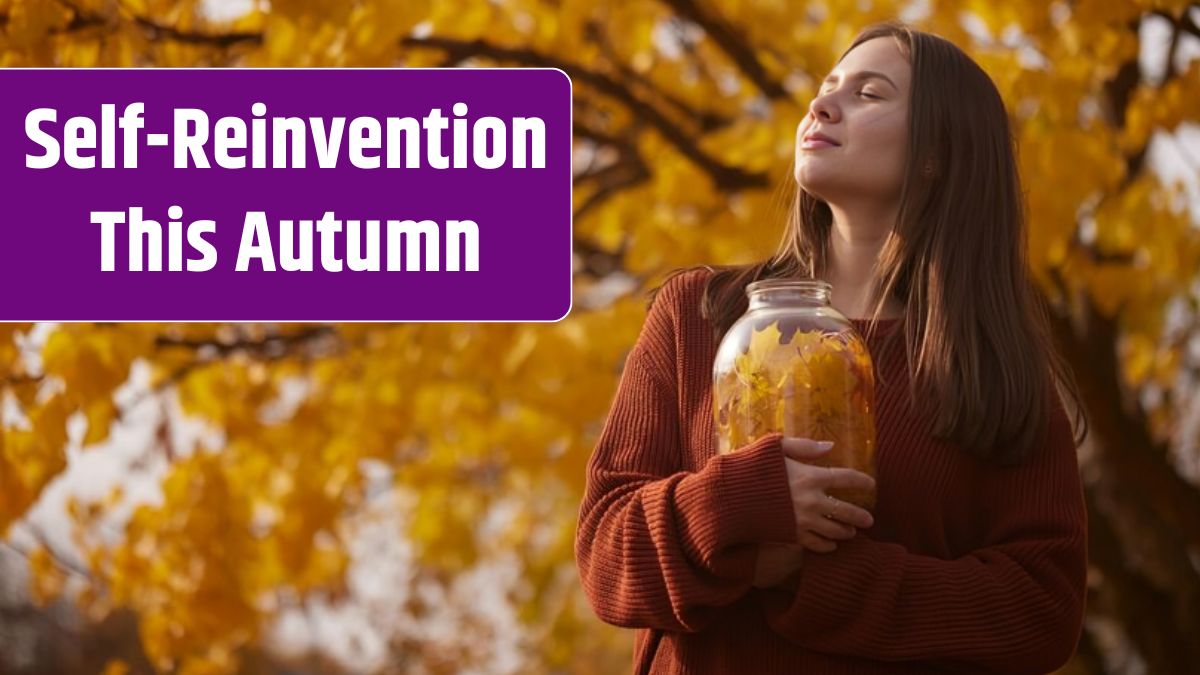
(976, 332)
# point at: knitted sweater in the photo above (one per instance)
(969, 567)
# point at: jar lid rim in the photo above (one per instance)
(778, 282)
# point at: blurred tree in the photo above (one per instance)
(684, 119)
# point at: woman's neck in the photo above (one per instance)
(853, 253)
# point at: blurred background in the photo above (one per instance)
(372, 498)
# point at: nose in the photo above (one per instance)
(823, 108)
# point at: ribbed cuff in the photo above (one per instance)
(831, 585)
(755, 499)
(736, 502)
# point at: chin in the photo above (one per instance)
(812, 181)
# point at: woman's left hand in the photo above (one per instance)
(776, 562)
(821, 519)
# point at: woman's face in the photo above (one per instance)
(863, 108)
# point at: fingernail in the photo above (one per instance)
(824, 445)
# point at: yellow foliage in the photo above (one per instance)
(116, 667)
(48, 579)
(467, 417)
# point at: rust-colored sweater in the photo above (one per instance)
(968, 568)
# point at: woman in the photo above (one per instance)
(974, 559)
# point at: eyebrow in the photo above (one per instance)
(862, 75)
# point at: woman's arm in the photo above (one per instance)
(1013, 606)
(658, 547)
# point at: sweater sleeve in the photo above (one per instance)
(1014, 605)
(658, 546)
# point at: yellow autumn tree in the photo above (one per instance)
(684, 116)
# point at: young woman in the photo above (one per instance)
(975, 558)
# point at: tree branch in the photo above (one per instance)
(1172, 47)
(610, 181)
(1188, 24)
(1183, 22)
(1119, 89)
(629, 170)
(270, 347)
(159, 31)
(80, 20)
(61, 561)
(724, 177)
(705, 120)
(732, 43)
(20, 380)
(1122, 435)
(1140, 508)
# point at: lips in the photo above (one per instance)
(816, 140)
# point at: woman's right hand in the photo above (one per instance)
(822, 520)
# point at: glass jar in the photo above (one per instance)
(792, 363)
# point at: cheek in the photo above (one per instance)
(883, 132)
(801, 129)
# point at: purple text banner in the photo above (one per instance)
(285, 195)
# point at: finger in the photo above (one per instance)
(838, 478)
(832, 529)
(815, 542)
(848, 513)
(804, 448)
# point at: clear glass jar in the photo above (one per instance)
(792, 363)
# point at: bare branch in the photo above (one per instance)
(611, 180)
(729, 178)
(1169, 66)
(61, 561)
(15, 380)
(705, 120)
(159, 31)
(735, 46)
(629, 169)
(80, 20)
(1183, 22)
(270, 348)
(1188, 23)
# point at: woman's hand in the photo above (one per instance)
(775, 563)
(821, 520)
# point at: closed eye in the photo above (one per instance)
(862, 93)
